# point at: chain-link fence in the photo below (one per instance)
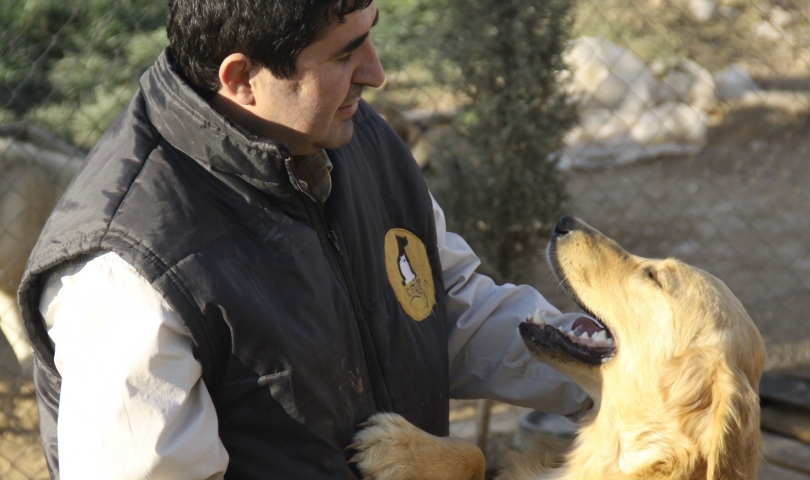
(693, 142)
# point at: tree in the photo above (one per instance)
(71, 65)
(506, 192)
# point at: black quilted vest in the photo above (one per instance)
(294, 308)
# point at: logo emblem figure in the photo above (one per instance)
(405, 270)
(409, 273)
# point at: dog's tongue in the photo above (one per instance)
(585, 324)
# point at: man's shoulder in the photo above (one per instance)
(365, 112)
(132, 186)
(373, 132)
(130, 135)
(114, 163)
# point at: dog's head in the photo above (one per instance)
(671, 347)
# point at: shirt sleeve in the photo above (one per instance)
(488, 358)
(133, 404)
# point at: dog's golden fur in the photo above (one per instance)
(677, 399)
(392, 448)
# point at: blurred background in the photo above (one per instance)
(680, 128)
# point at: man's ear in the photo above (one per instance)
(235, 73)
(717, 408)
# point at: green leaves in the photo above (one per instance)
(65, 61)
(405, 32)
(505, 199)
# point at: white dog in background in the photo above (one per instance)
(35, 169)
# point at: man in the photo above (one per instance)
(250, 264)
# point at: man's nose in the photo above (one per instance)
(370, 71)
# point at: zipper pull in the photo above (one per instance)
(333, 237)
(297, 182)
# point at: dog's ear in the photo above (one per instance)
(717, 408)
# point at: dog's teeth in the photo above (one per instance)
(600, 336)
(570, 334)
(584, 335)
(537, 318)
(610, 341)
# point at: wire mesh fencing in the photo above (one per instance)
(693, 141)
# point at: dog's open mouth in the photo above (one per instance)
(580, 336)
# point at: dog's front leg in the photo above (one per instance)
(390, 448)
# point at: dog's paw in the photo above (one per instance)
(385, 448)
(390, 448)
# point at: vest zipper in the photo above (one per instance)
(382, 403)
(334, 239)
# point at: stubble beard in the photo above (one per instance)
(341, 133)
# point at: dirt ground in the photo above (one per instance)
(20, 450)
(740, 210)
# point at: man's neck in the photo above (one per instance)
(258, 127)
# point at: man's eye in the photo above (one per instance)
(345, 58)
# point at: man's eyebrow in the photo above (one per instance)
(355, 44)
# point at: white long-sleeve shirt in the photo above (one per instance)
(133, 403)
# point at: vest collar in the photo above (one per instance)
(192, 126)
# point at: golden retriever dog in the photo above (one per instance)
(667, 353)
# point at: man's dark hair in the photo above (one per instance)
(271, 33)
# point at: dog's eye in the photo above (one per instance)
(653, 275)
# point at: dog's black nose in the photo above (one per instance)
(565, 225)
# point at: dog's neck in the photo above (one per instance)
(617, 443)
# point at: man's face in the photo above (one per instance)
(313, 109)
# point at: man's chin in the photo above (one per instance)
(337, 136)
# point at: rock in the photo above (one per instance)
(626, 115)
(605, 74)
(733, 82)
(687, 82)
(780, 18)
(605, 137)
(669, 126)
(766, 30)
(702, 10)
(729, 13)
(792, 102)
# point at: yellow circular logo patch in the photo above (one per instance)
(409, 273)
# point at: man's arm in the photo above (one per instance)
(488, 359)
(133, 404)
